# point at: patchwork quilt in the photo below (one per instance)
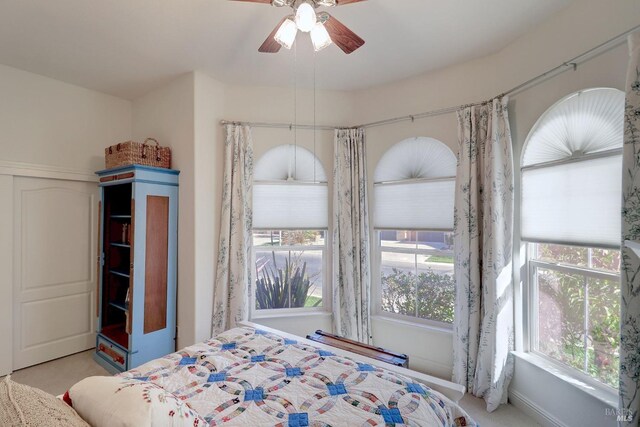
(248, 377)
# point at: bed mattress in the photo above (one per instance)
(250, 377)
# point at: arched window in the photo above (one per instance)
(413, 218)
(571, 201)
(290, 217)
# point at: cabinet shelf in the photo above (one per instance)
(120, 245)
(119, 273)
(117, 334)
(120, 217)
(121, 305)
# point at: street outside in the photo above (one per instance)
(390, 260)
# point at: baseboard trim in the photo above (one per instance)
(543, 417)
(45, 171)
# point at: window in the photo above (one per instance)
(577, 294)
(571, 192)
(290, 210)
(413, 218)
(289, 268)
(416, 274)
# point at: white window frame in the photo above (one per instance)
(531, 306)
(377, 277)
(326, 285)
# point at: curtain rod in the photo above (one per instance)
(567, 65)
(289, 126)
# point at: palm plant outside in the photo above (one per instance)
(288, 287)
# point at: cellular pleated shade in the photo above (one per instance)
(290, 205)
(290, 190)
(415, 205)
(288, 161)
(415, 186)
(574, 203)
(416, 158)
(572, 174)
(585, 122)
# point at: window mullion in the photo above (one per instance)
(586, 324)
(415, 265)
(586, 311)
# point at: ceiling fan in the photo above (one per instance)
(323, 28)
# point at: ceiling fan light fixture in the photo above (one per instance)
(286, 34)
(320, 37)
(305, 17)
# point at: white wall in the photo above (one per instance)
(578, 28)
(208, 164)
(276, 105)
(48, 122)
(184, 115)
(167, 114)
(47, 129)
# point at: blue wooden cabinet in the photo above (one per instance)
(137, 266)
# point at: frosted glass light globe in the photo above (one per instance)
(320, 37)
(305, 17)
(286, 34)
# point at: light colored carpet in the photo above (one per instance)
(59, 375)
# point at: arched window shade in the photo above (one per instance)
(572, 171)
(290, 190)
(288, 162)
(414, 186)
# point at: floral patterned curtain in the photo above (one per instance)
(483, 230)
(630, 292)
(351, 265)
(233, 277)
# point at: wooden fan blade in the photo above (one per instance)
(343, 37)
(270, 45)
(255, 1)
(343, 2)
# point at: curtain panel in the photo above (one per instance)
(233, 273)
(629, 388)
(351, 263)
(483, 231)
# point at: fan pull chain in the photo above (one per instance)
(295, 109)
(315, 180)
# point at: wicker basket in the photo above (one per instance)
(149, 153)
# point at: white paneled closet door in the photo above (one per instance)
(54, 268)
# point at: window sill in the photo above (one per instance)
(291, 314)
(418, 325)
(603, 393)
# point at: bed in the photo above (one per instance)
(257, 376)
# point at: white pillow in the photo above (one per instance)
(125, 402)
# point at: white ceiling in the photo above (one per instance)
(128, 47)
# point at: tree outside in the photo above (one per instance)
(426, 295)
(579, 315)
